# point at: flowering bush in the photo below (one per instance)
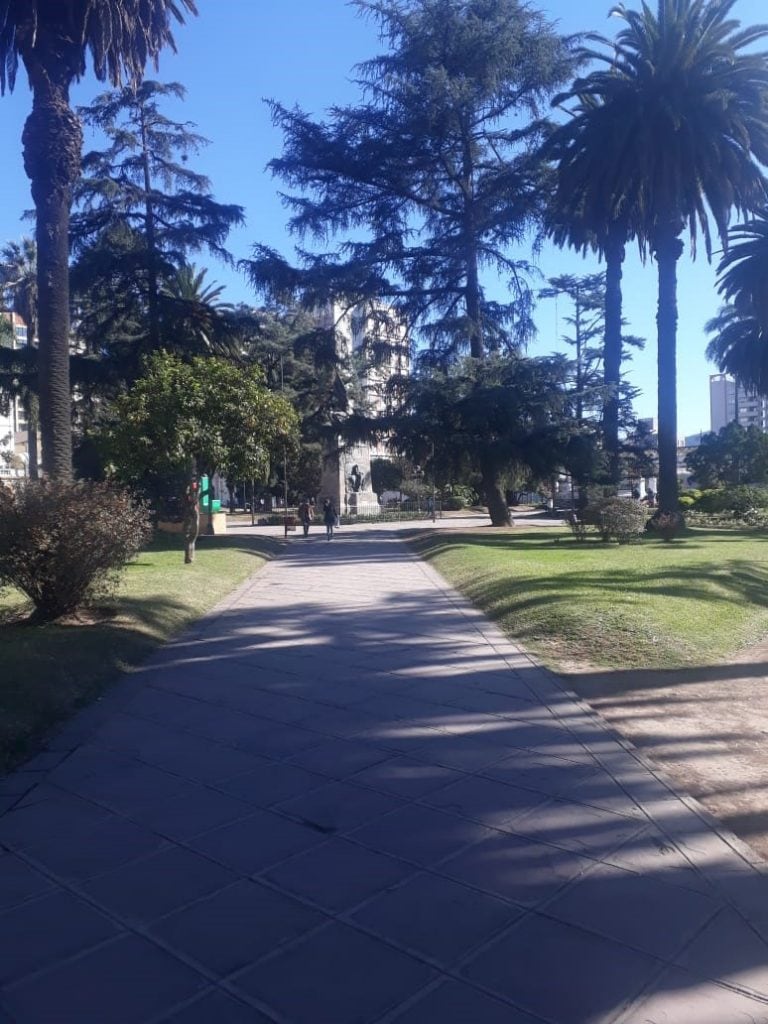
(63, 544)
(666, 525)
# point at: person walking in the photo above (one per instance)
(306, 515)
(329, 518)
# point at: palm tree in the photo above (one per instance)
(740, 342)
(53, 38)
(589, 212)
(194, 318)
(739, 346)
(691, 133)
(18, 283)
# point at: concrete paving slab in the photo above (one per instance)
(346, 798)
(47, 929)
(154, 886)
(217, 1007)
(233, 928)
(122, 982)
(339, 874)
(339, 975)
(440, 919)
(19, 882)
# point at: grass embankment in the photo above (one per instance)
(47, 672)
(651, 605)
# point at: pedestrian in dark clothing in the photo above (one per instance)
(306, 515)
(329, 518)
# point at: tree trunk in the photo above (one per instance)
(579, 358)
(52, 142)
(612, 352)
(472, 296)
(668, 250)
(191, 513)
(153, 294)
(498, 509)
(32, 416)
(474, 312)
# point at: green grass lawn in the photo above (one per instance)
(46, 672)
(656, 605)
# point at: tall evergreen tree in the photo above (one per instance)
(53, 40)
(431, 179)
(585, 322)
(141, 211)
(596, 391)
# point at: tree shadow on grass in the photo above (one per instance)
(433, 544)
(50, 671)
(262, 546)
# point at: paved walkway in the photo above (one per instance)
(346, 799)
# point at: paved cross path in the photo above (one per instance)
(345, 798)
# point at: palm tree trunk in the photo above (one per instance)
(612, 351)
(52, 149)
(668, 250)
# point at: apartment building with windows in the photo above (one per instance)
(729, 401)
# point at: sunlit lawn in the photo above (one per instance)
(698, 599)
(46, 672)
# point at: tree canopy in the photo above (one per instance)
(735, 455)
(221, 416)
(433, 177)
(141, 211)
(53, 41)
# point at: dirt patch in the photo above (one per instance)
(707, 726)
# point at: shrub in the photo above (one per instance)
(686, 501)
(713, 500)
(621, 519)
(742, 500)
(63, 544)
(453, 504)
(578, 525)
(458, 496)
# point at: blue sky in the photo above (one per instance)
(238, 52)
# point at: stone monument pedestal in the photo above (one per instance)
(346, 480)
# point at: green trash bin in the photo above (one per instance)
(216, 505)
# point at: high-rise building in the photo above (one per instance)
(729, 402)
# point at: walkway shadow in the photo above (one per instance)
(405, 677)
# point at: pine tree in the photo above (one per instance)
(432, 179)
(596, 394)
(141, 211)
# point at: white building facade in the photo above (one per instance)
(13, 425)
(374, 342)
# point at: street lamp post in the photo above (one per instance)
(434, 506)
(285, 462)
